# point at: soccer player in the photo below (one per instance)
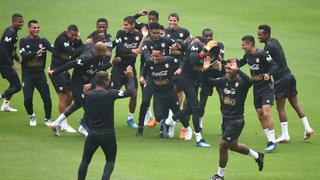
(8, 70)
(64, 48)
(191, 78)
(85, 68)
(177, 33)
(33, 50)
(99, 107)
(127, 48)
(206, 87)
(235, 87)
(102, 26)
(284, 85)
(262, 67)
(153, 17)
(154, 40)
(161, 70)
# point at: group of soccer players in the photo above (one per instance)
(173, 65)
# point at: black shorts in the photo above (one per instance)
(61, 82)
(285, 87)
(232, 129)
(262, 96)
(119, 79)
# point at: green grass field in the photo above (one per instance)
(33, 153)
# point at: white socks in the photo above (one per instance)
(130, 115)
(305, 123)
(59, 120)
(198, 136)
(5, 103)
(284, 129)
(253, 154)
(64, 123)
(201, 122)
(270, 135)
(220, 171)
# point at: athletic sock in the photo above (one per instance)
(220, 171)
(201, 122)
(59, 119)
(272, 136)
(253, 154)
(5, 103)
(130, 115)
(149, 113)
(266, 132)
(305, 123)
(198, 136)
(32, 115)
(284, 129)
(0, 96)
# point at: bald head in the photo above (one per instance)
(100, 49)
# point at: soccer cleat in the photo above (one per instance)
(216, 177)
(131, 123)
(171, 130)
(283, 139)
(202, 143)
(8, 109)
(308, 134)
(188, 134)
(139, 131)
(182, 134)
(147, 118)
(260, 161)
(170, 122)
(67, 128)
(47, 122)
(82, 131)
(152, 123)
(271, 146)
(164, 130)
(33, 121)
(55, 129)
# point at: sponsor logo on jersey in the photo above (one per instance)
(7, 39)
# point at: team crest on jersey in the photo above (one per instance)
(28, 46)
(40, 46)
(237, 84)
(166, 65)
(125, 38)
(257, 60)
(163, 45)
(137, 38)
(151, 67)
(168, 35)
(181, 34)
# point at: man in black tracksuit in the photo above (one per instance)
(99, 107)
(235, 86)
(33, 52)
(8, 46)
(262, 67)
(154, 41)
(127, 48)
(85, 67)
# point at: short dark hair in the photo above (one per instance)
(101, 77)
(207, 30)
(130, 20)
(161, 27)
(104, 20)
(154, 26)
(174, 15)
(232, 60)
(266, 28)
(248, 38)
(16, 16)
(72, 27)
(154, 13)
(32, 22)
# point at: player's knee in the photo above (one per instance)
(223, 145)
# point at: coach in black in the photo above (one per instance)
(33, 50)
(85, 67)
(99, 107)
(127, 48)
(8, 46)
(284, 85)
(262, 67)
(235, 86)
